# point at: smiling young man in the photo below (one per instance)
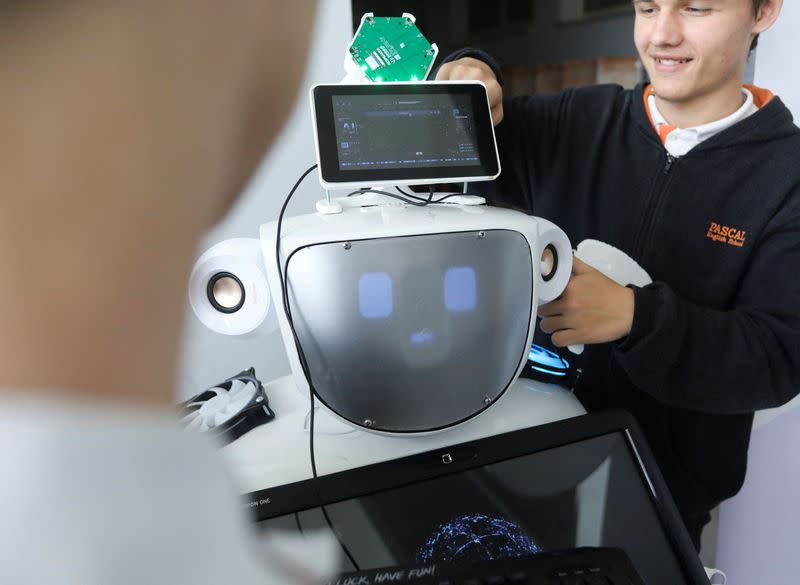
(696, 177)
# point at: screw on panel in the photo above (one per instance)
(481, 235)
(368, 422)
(347, 245)
(487, 400)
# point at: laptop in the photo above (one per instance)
(588, 481)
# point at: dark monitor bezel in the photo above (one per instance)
(362, 481)
(328, 154)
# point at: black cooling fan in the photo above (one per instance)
(230, 408)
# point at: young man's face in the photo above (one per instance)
(693, 48)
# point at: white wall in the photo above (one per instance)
(776, 68)
(209, 357)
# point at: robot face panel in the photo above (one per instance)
(413, 333)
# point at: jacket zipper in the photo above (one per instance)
(653, 204)
(670, 159)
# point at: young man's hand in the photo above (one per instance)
(592, 309)
(474, 69)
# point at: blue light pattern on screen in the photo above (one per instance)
(474, 538)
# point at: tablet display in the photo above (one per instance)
(375, 134)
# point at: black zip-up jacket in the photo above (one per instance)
(716, 336)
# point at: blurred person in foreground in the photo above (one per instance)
(128, 129)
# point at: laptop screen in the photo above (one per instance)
(592, 492)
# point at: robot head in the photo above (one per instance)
(410, 319)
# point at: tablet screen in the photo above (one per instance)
(404, 133)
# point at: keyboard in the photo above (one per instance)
(581, 566)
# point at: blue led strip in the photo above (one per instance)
(547, 359)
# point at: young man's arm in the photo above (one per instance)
(690, 356)
(525, 128)
(741, 360)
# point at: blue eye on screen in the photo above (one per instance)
(460, 289)
(375, 299)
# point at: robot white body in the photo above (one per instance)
(397, 366)
(278, 453)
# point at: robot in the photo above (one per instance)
(407, 318)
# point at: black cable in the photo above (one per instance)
(278, 239)
(412, 199)
(297, 521)
(420, 202)
(425, 200)
(418, 198)
(445, 197)
(302, 357)
(288, 312)
(413, 195)
(339, 538)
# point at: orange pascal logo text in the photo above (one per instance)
(726, 234)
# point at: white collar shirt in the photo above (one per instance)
(681, 140)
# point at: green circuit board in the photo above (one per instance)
(392, 49)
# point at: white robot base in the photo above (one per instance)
(278, 453)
